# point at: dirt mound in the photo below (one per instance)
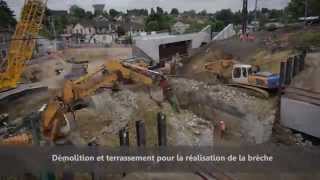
(309, 78)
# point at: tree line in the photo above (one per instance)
(158, 19)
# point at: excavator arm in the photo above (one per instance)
(111, 72)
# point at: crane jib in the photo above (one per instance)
(20, 51)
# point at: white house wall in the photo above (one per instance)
(83, 30)
(102, 39)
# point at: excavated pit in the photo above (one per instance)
(109, 112)
(249, 119)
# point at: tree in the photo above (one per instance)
(138, 12)
(174, 12)
(89, 15)
(225, 15)
(160, 11)
(6, 15)
(237, 17)
(158, 22)
(152, 12)
(191, 13)
(153, 26)
(77, 12)
(203, 13)
(217, 25)
(296, 8)
(114, 13)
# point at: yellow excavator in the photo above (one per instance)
(59, 113)
(22, 43)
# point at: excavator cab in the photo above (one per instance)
(241, 73)
(249, 75)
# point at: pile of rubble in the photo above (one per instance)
(220, 93)
(110, 112)
(288, 137)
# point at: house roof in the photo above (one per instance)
(86, 23)
(101, 22)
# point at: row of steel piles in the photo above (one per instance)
(291, 68)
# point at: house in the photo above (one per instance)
(84, 28)
(105, 31)
(5, 35)
(180, 27)
(118, 18)
(100, 31)
(68, 29)
(102, 39)
(83, 31)
(98, 8)
(103, 25)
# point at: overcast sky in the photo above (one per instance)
(209, 5)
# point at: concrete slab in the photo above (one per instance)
(300, 115)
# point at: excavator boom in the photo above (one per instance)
(110, 73)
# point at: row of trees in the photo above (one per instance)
(296, 8)
(158, 19)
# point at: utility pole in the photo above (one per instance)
(305, 11)
(244, 16)
(256, 11)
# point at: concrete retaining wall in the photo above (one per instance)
(226, 33)
(150, 44)
(301, 116)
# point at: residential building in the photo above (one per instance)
(180, 27)
(100, 31)
(98, 8)
(83, 31)
(103, 25)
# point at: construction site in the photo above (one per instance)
(231, 88)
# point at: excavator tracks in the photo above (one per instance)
(252, 90)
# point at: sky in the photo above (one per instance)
(123, 5)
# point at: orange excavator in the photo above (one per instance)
(58, 116)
